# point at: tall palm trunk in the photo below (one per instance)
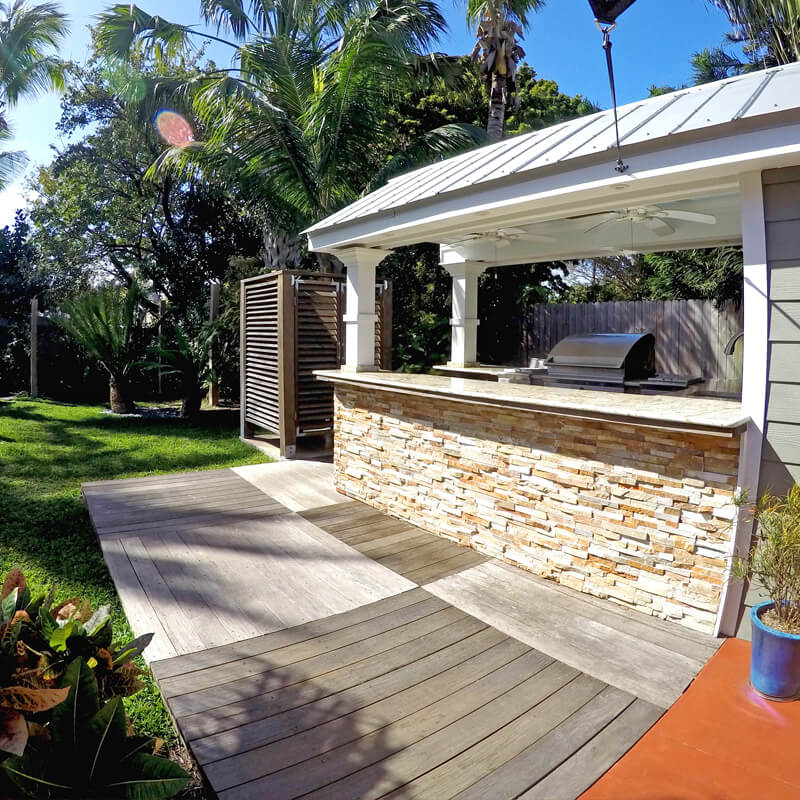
(497, 108)
(119, 396)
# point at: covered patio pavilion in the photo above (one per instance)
(646, 513)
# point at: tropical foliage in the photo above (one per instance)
(774, 557)
(187, 356)
(29, 40)
(301, 115)
(85, 750)
(764, 33)
(108, 323)
(499, 53)
(62, 680)
(710, 274)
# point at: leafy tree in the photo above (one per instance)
(709, 274)
(292, 123)
(498, 25)
(97, 212)
(107, 322)
(17, 288)
(29, 39)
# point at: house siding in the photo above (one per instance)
(780, 458)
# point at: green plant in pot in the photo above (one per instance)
(774, 561)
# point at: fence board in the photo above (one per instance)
(690, 334)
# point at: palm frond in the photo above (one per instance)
(29, 39)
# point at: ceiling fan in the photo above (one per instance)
(503, 237)
(653, 217)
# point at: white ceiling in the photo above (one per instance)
(571, 238)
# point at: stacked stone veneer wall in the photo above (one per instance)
(638, 515)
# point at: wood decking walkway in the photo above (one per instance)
(300, 655)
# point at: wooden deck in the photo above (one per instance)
(406, 697)
(301, 656)
(403, 548)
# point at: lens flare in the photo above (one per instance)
(174, 128)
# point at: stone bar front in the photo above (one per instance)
(625, 497)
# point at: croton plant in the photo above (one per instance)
(63, 730)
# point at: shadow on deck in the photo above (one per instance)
(312, 647)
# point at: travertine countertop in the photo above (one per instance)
(668, 409)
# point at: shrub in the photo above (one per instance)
(774, 557)
(62, 680)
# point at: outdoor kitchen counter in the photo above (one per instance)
(626, 497)
(660, 410)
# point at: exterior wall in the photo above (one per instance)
(780, 460)
(637, 515)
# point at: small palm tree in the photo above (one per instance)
(189, 357)
(499, 25)
(29, 40)
(108, 323)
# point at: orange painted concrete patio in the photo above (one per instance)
(719, 741)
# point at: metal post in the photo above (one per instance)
(213, 313)
(35, 347)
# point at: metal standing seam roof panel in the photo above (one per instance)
(745, 97)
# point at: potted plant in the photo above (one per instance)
(774, 561)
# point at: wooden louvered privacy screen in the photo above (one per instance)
(291, 325)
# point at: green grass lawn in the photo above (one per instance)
(47, 450)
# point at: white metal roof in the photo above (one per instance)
(726, 103)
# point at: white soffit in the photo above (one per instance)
(754, 102)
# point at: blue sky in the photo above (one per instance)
(652, 45)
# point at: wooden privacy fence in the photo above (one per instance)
(291, 324)
(690, 334)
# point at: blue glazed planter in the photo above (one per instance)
(774, 659)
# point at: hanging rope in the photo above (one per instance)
(606, 31)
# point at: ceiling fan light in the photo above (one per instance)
(607, 11)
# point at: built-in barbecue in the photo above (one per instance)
(612, 362)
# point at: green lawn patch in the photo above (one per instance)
(47, 450)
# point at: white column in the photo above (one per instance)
(464, 322)
(360, 317)
(754, 383)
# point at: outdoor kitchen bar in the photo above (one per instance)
(611, 479)
(626, 497)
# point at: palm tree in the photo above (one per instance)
(770, 29)
(29, 40)
(297, 124)
(499, 25)
(107, 322)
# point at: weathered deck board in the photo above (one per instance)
(627, 650)
(429, 713)
(415, 554)
(207, 559)
(300, 657)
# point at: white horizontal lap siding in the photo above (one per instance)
(780, 466)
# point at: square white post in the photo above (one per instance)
(360, 317)
(754, 384)
(464, 322)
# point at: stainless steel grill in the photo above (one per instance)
(605, 361)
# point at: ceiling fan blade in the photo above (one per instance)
(687, 216)
(536, 237)
(658, 225)
(607, 221)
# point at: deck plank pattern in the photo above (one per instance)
(319, 648)
(205, 559)
(415, 554)
(405, 697)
